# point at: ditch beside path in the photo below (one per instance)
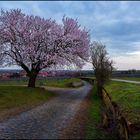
(60, 117)
(127, 81)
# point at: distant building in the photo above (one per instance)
(8, 74)
(43, 74)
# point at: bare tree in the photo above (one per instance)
(102, 65)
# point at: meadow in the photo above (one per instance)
(127, 96)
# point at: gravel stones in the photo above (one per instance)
(46, 121)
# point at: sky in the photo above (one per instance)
(115, 23)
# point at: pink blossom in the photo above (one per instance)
(35, 43)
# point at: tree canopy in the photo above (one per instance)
(35, 43)
(102, 64)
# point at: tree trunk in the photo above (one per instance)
(99, 89)
(32, 80)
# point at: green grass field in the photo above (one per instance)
(47, 82)
(15, 99)
(129, 78)
(94, 130)
(59, 82)
(15, 96)
(127, 96)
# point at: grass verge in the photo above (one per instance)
(94, 130)
(16, 99)
(127, 96)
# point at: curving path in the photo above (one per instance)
(48, 120)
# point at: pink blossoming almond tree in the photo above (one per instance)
(35, 43)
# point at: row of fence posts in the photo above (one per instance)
(112, 117)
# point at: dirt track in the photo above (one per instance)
(50, 120)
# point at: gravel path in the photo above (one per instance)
(48, 120)
(127, 81)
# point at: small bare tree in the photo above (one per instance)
(102, 65)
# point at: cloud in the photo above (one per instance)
(127, 61)
(115, 23)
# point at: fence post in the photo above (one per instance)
(113, 117)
